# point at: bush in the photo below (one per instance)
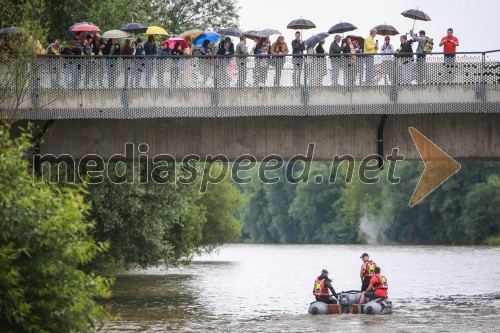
(43, 242)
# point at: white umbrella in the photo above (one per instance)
(115, 34)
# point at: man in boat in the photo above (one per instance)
(377, 289)
(322, 286)
(367, 271)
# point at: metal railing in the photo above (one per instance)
(152, 86)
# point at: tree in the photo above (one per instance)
(106, 14)
(44, 238)
(482, 217)
(169, 222)
(18, 61)
(220, 202)
(175, 16)
(180, 15)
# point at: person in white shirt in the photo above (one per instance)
(387, 66)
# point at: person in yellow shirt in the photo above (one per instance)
(371, 47)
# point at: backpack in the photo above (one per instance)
(429, 45)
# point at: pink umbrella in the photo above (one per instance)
(85, 28)
(174, 40)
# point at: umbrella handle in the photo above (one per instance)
(413, 24)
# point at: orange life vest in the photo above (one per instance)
(320, 289)
(381, 286)
(369, 268)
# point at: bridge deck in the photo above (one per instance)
(132, 88)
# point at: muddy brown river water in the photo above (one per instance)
(268, 288)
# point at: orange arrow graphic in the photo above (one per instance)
(439, 166)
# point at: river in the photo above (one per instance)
(268, 288)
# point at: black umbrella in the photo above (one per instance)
(386, 30)
(261, 33)
(416, 14)
(342, 27)
(134, 28)
(315, 39)
(12, 30)
(229, 32)
(301, 24)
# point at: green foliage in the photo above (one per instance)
(492, 240)
(220, 202)
(181, 15)
(464, 210)
(44, 238)
(149, 222)
(483, 220)
(176, 16)
(18, 51)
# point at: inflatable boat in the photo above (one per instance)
(349, 303)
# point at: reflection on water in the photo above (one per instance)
(257, 288)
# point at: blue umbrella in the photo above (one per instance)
(211, 36)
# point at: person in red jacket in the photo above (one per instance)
(377, 289)
(367, 271)
(449, 44)
(322, 286)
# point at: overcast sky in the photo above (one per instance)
(476, 23)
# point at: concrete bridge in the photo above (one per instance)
(261, 106)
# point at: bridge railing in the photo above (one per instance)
(150, 86)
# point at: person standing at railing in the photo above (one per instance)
(112, 48)
(261, 61)
(127, 50)
(53, 49)
(371, 47)
(73, 78)
(98, 46)
(241, 49)
(421, 40)
(335, 59)
(225, 50)
(139, 63)
(349, 49)
(206, 63)
(449, 43)
(278, 50)
(187, 62)
(163, 63)
(177, 64)
(298, 47)
(320, 61)
(406, 58)
(387, 60)
(78, 39)
(150, 50)
(88, 62)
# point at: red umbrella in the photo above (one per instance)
(172, 41)
(85, 28)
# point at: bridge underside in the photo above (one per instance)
(462, 136)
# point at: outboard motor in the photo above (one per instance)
(345, 303)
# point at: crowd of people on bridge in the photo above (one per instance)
(350, 62)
